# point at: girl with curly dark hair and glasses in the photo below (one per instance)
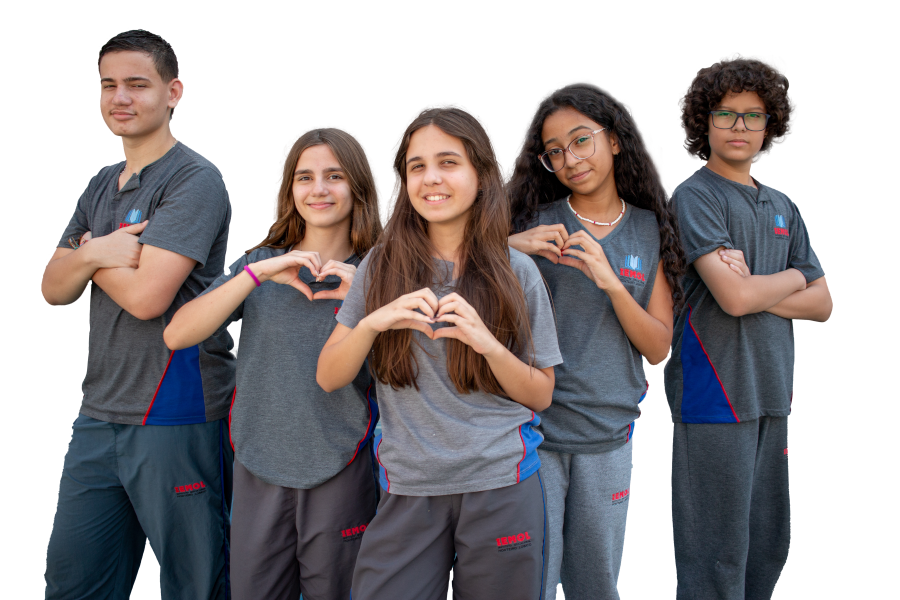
(588, 205)
(751, 271)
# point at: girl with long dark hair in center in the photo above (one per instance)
(460, 335)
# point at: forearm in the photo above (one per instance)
(648, 334)
(66, 276)
(812, 304)
(529, 386)
(340, 361)
(130, 289)
(202, 316)
(757, 293)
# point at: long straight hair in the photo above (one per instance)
(402, 263)
(365, 225)
(637, 180)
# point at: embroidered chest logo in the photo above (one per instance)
(633, 268)
(513, 542)
(132, 218)
(781, 226)
(191, 489)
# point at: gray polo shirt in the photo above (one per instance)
(726, 369)
(601, 380)
(436, 441)
(132, 378)
(287, 430)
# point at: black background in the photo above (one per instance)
(246, 96)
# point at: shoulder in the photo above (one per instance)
(264, 253)
(105, 175)
(186, 157)
(550, 214)
(524, 268)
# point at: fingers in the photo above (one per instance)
(552, 257)
(313, 257)
(448, 332)
(343, 270)
(428, 296)
(302, 287)
(135, 229)
(424, 328)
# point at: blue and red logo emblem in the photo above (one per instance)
(781, 226)
(633, 267)
(132, 218)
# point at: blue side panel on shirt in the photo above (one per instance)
(531, 439)
(702, 399)
(179, 400)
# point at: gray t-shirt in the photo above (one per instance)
(132, 378)
(725, 369)
(436, 441)
(601, 380)
(286, 429)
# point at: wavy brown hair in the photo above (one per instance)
(637, 181)
(734, 76)
(402, 263)
(365, 225)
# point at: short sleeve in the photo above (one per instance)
(803, 258)
(701, 221)
(190, 214)
(540, 316)
(78, 224)
(353, 309)
(224, 278)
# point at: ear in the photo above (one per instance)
(614, 144)
(176, 90)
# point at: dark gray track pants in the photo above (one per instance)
(497, 535)
(730, 508)
(286, 541)
(124, 484)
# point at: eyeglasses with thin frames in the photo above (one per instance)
(554, 159)
(727, 119)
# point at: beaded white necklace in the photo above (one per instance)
(591, 220)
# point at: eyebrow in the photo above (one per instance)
(752, 109)
(127, 79)
(439, 155)
(570, 133)
(310, 171)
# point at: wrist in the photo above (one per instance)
(494, 351)
(254, 274)
(616, 288)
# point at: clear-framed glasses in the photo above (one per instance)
(726, 119)
(581, 147)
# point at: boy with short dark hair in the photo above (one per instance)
(149, 456)
(729, 380)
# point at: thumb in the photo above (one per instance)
(304, 289)
(135, 229)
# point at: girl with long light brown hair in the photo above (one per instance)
(460, 337)
(303, 472)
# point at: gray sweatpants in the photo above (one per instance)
(730, 508)
(497, 536)
(286, 541)
(587, 503)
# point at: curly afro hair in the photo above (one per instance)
(733, 76)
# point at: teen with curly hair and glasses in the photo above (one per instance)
(751, 271)
(588, 205)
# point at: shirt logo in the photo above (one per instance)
(132, 218)
(781, 226)
(633, 267)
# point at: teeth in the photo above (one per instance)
(436, 197)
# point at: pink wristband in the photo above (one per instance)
(250, 273)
